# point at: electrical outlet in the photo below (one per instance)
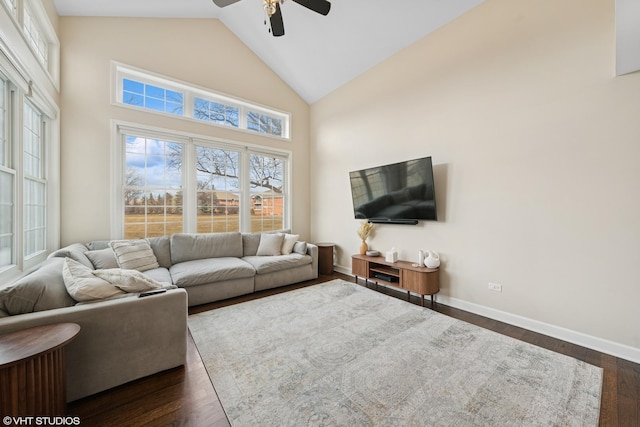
(495, 287)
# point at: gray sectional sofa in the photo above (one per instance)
(125, 337)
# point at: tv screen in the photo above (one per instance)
(401, 192)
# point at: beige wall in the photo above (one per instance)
(202, 52)
(536, 147)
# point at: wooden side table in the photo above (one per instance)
(325, 258)
(33, 379)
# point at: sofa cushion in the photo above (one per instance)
(199, 272)
(134, 254)
(250, 243)
(96, 245)
(102, 258)
(161, 275)
(83, 285)
(270, 264)
(40, 290)
(270, 244)
(189, 247)
(162, 249)
(74, 251)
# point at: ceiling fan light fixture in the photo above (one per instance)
(270, 6)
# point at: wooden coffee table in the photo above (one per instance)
(32, 370)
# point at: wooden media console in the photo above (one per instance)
(400, 274)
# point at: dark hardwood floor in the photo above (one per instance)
(185, 396)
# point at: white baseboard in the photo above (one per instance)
(599, 344)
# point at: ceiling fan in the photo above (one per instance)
(272, 8)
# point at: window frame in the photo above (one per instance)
(190, 203)
(28, 81)
(120, 72)
(37, 16)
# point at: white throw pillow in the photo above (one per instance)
(288, 242)
(270, 244)
(82, 285)
(134, 254)
(128, 280)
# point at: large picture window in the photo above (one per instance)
(178, 184)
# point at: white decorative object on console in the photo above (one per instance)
(432, 259)
(392, 255)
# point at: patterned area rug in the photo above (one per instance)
(339, 354)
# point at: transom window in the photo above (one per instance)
(152, 97)
(160, 94)
(35, 37)
(216, 112)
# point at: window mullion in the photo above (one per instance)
(242, 120)
(189, 197)
(245, 195)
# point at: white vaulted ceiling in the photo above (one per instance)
(318, 53)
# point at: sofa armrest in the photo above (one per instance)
(312, 250)
(119, 341)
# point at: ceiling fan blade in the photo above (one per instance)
(223, 3)
(321, 6)
(277, 25)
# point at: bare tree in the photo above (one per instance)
(266, 172)
(132, 186)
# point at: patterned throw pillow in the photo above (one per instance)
(134, 254)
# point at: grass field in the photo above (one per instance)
(156, 225)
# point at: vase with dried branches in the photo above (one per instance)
(364, 231)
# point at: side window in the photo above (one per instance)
(268, 198)
(7, 197)
(153, 198)
(34, 185)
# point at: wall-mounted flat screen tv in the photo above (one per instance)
(401, 193)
